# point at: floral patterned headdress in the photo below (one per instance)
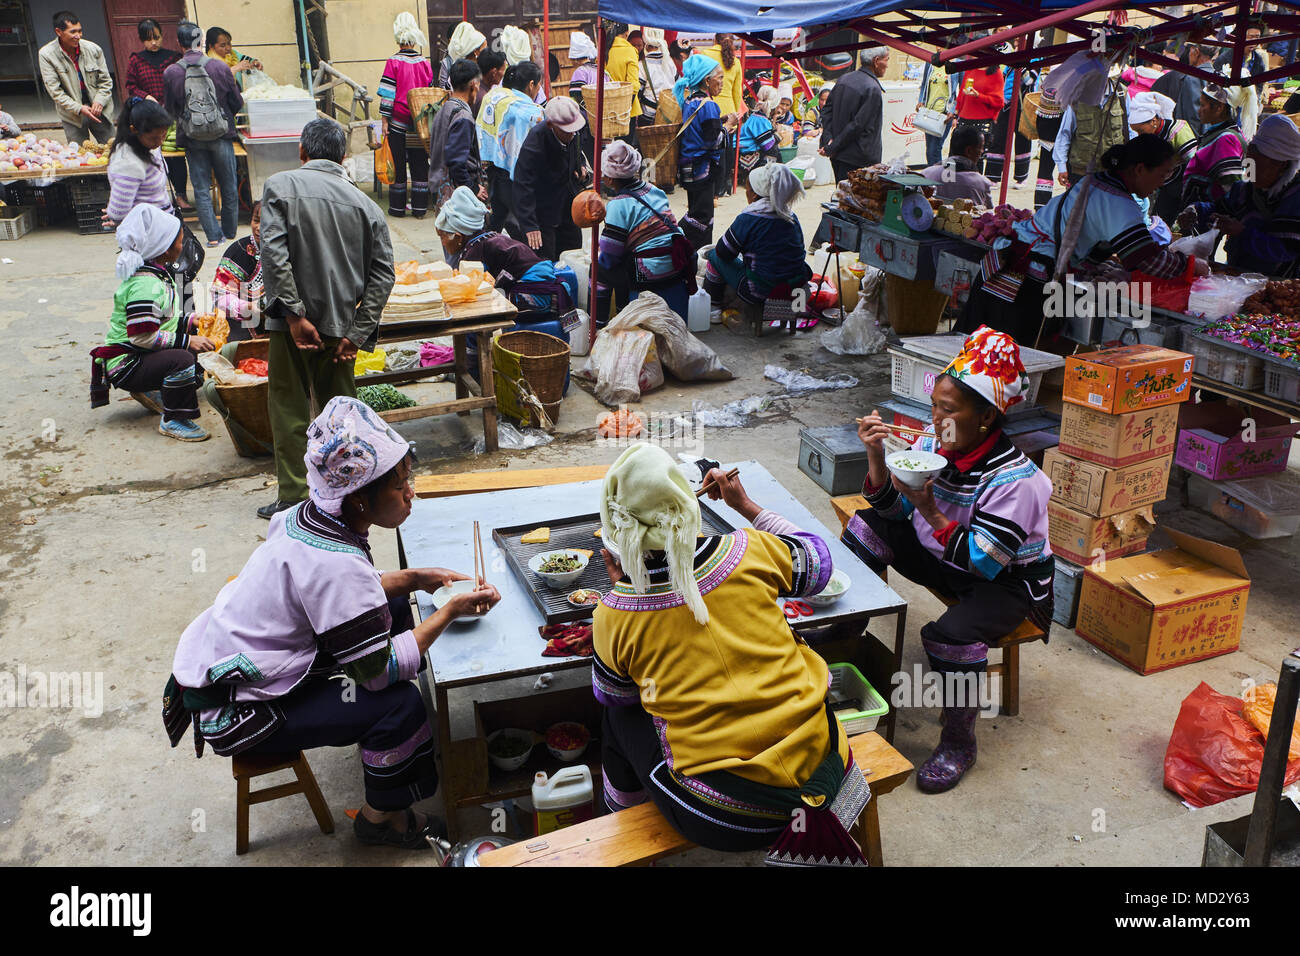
(990, 364)
(348, 447)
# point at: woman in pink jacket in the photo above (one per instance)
(409, 69)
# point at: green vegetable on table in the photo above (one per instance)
(384, 398)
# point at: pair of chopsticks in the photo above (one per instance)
(480, 565)
(898, 428)
(704, 489)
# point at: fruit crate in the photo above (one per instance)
(17, 225)
(1283, 383)
(89, 197)
(1220, 361)
(50, 204)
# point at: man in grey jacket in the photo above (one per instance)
(75, 74)
(853, 130)
(327, 269)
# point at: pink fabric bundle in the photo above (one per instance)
(431, 354)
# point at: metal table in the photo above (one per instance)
(505, 643)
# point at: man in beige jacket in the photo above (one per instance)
(76, 77)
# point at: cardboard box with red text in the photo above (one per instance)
(1082, 538)
(1117, 440)
(1098, 490)
(1128, 378)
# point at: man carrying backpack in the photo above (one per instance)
(201, 93)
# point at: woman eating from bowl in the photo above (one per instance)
(252, 673)
(976, 532)
(714, 709)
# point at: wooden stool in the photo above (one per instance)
(640, 835)
(246, 767)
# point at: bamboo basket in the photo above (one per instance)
(247, 404)
(424, 102)
(536, 359)
(913, 307)
(670, 111)
(618, 107)
(1028, 123)
(654, 141)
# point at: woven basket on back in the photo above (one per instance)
(537, 359)
(618, 107)
(1028, 124)
(424, 102)
(247, 404)
(655, 145)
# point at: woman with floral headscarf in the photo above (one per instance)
(976, 533)
(714, 709)
(251, 674)
(1261, 218)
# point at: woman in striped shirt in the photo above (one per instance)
(137, 172)
(409, 69)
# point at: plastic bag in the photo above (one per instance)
(1214, 752)
(731, 415)
(220, 368)
(799, 383)
(1220, 295)
(1171, 294)
(1199, 246)
(623, 363)
(213, 325)
(681, 353)
(514, 439)
(400, 358)
(860, 334)
(384, 168)
(368, 362)
(431, 354)
(1257, 707)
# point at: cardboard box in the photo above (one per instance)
(1117, 440)
(1159, 610)
(1128, 378)
(1212, 441)
(1083, 538)
(1102, 491)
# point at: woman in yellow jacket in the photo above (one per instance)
(731, 102)
(623, 64)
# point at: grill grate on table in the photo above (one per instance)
(571, 533)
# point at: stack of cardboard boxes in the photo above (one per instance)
(1119, 427)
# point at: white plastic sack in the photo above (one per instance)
(226, 373)
(1199, 246)
(1220, 295)
(514, 439)
(859, 335)
(624, 362)
(689, 359)
(731, 415)
(799, 383)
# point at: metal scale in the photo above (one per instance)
(907, 210)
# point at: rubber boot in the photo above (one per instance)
(955, 753)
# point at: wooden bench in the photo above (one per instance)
(1008, 668)
(641, 835)
(501, 479)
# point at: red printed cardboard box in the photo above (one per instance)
(1098, 490)
(1165, 608)
(1117, 440)
(1128, 378)
(1082, 538)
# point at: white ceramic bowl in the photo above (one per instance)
(557, 581)
(444, 594)
(573, 727)
(511, 763)
(920, 466)
(835, 589)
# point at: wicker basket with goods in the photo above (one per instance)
(1028, 123)
(657, 145)
(424, 102)
(618, 107)
(247, 414)
(530, 369)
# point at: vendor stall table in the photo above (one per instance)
(505, 644)
(1254, 399)
(479, 318)
(908, 257)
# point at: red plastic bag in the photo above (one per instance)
(1171, 294)
(1215, 753)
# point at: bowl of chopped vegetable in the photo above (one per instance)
(558, 569)
(834, 590)
(567, 740)
(914, 468)
(510, 748)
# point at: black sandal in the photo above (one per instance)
(384, 834)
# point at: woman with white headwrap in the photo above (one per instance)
(1150, 112)
(464, 43)
(1260, 218)
(409, 69)
(148, 350)
(252, 674)
(762, 254)
(642, 249)
(714, 710)
(1222, 143)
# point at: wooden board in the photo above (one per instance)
(438, 408)
(55, 174)
(641, 835)
(476, 482)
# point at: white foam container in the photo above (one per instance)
(917, 363)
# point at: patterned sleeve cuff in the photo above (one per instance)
(773, 523)
(811, 561)
(612, 689)
(405, 657)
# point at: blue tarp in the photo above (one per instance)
(751, 16)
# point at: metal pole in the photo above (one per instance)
(464, 10)
(1013, 117)
(546, 45)
(1268, 793)
(595, 163)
